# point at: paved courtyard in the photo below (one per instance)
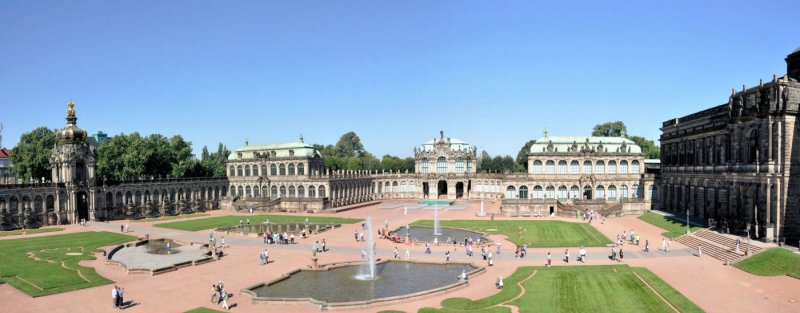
(710, 284)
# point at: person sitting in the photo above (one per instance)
(499, 283)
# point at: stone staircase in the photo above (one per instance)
(716, 245)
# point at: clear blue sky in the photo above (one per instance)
(492, 73)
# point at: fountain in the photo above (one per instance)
(367, 271)
(436, 230)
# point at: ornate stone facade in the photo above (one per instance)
(737, 162)
(73, 193)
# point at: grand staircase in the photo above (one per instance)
(717, 246)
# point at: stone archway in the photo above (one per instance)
(82, 206)
(441, 188)
(459, 190)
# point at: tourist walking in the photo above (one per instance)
(489, 257)
(566, 255)
(213, 293)
(447, 256)
(621, 255)
(225, 300)
(408, 254)
(427, 248)
(664, 244)
(699, 251)
(115, 296)
(582, 255)
(669, 244)
(738, 242)
(355, 234)
(222, 241)
(120, 299)
(396, 253)
(499, 282)
(646, 245)
(549, 259)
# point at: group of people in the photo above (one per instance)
(117, 294)
(219, 295)
(283, 238)
(263, 257)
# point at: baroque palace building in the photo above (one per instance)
(737, 163)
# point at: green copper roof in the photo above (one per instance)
(296, 149)
(455, 145)
(564, 143)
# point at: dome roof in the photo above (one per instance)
(71, 134)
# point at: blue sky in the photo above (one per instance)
(492, 73)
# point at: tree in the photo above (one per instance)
(204, 155)
(31, 155)
(349, 145)
(610, 129)
(649, 148)
(522, 156)
(410, 164)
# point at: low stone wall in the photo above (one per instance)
(322, 305)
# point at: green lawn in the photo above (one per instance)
(607, 288)
(772, 262)
(203, 310)
(47, 276)
(535, 233)
(29, 231)
(167, 218)
(231, 220)
(673, 226)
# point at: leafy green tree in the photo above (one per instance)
(31, 155)
(649, 148)
(349, 145)
(354, 164)
(610, 129)
(409, 164)
(522, 156)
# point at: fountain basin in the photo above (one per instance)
(425, 234)
(153, 257)
(396, 281)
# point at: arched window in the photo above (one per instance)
(562, 192)
(612, 167)
(283, 191)
(247, 170)
(600, 168)
(574, 167)
(394, 187)
(441, 165)
(301, 169)
(623, 167)
(247, 192)
(600, 192)
(523, 192)
(574, 192)
(312, 192)
(469, 166)
(273, 170)
(537, 167)
(291, 169)
(562, 167)
(232, 171)
(239, 170)
(459, 165)
(550, 167)
(424, 165)
(612, 192)
(510, 192)
(301, 192)
(480, 187)
(291, 192)
(635, 191)
(413, 186)
(239, 191)
(635, 167)
(403, 186)
(587, 167)
(256, 192)
(321, 191)
(550, 192)
(537, 192)
(623, 192)
(282, 169)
